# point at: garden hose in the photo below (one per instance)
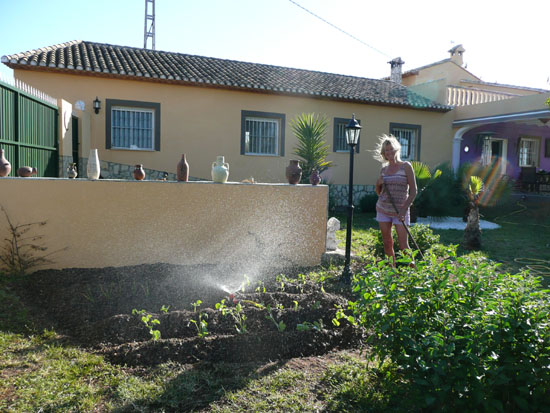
(519, 211)
(536, 266)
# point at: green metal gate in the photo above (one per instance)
(28, 131)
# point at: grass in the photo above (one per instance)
(40, 371)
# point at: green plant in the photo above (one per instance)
(423, 235)
(547, 102)
(149, 322)
(367, 204)
(236, 312)
(472, 232)
(200, 324)
(462, 335)
(439, 193)
(281, 326)
(306, 326)
(21, 251)
(165, 309)
(310, 131)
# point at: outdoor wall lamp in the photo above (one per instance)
(352, 138)
(97, 105)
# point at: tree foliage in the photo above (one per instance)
(310, 131)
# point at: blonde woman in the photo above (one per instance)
(396, 189)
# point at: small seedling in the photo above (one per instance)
(149, 322)
(306, 326)
(165, 309)
(201, 324)
(261, 287)
(281, 326)
(236, 312)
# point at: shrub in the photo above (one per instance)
(423, 235)
(368, 203)
(462, 335)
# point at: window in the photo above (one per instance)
(262, 133)
(132, 125)
(409, 137)
(339, 142)
(529, 151)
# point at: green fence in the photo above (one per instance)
(28, 131)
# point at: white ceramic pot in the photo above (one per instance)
(93, 168)
(220, 170)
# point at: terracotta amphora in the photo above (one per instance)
(5, 166)
(294, 172)
(26, 171)
(314, 178)
(182, 169)
(139, 173)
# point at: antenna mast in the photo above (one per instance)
(149, 30)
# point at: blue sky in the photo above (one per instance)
(505, 43)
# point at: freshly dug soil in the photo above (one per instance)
(111, 311)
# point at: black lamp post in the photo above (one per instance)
(352, 138)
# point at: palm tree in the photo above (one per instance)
(310, 131)
(472, 233)
(424, 178)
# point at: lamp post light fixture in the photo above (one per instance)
(97, 105)
(352, 138)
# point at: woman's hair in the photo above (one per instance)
(384, 141)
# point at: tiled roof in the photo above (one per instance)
(82, 57)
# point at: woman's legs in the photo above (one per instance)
(385, 228)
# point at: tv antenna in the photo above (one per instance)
(149, 31)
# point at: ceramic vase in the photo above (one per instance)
(5, 166)
(294, 172)
(139, 173)
(182, 169)
(26, 171)
(314, 178)
(220, 170)
(92, 169)
(72, 173)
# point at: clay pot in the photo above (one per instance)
(139, 173)
(220, 170)
(5, 166)
(93, 169)
(26, 171)
(182, 169)
(314, 178)
(293, 172)
(71, 171)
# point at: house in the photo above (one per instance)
(156, 105)
(493, 123)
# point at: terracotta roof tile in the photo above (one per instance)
(110, 60)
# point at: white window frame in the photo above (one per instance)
(412, 149)
(533, 152)
(151, 130)
(340, 137)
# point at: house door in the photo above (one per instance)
(499, 152)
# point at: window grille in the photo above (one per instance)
(132, 128)
(340, 143)
(261, 136)
(528, 152)
(407, 138)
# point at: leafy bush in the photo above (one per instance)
(462, 335)
(368, 203)
(423, 234)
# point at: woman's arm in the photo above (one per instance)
(379, 183)
(411, 180)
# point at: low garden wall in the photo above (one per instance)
(103, 223)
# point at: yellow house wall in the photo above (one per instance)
(104, 223)
(205, 122)
(499, 88)
(509, 106)
(449, 71)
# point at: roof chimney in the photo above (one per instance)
(456, 54)
(396, 69)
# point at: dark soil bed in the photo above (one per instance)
(102, 309)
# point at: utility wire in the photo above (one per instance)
(339, 29)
